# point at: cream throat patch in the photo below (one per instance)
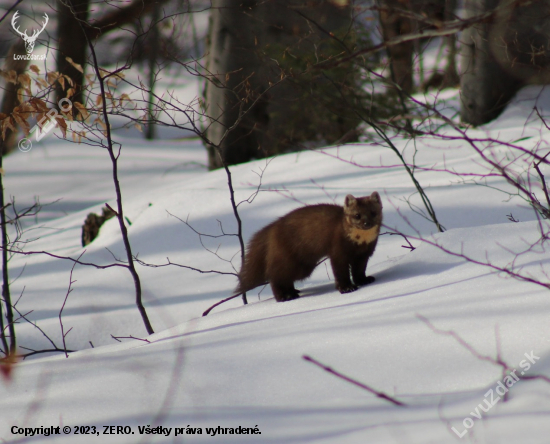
(360, 237)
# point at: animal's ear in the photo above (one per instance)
(350, 201)
(375, 196)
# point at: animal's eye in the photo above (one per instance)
(373, 214)
(357, 216)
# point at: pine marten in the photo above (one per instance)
(290, 248)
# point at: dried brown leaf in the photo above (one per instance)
(71, 82)
(12, 77)
(51, 77)
(8, 123)
(41, 120)
(124, 97)
(101, 123)
(75, 65)
(81, 110)
(20, 119)
(62, 125)
(41, 82)
(39, 105)
(25, 80)
(25, 110)
(90, 78)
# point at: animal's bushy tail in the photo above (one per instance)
(253, 272)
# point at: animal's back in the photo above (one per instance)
(289, 248)
(306, 234)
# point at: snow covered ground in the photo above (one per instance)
(242, 365)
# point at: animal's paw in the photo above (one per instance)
(365, 280)
(287, 296)
(347, 288)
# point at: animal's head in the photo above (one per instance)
(29, 40)
(363, 212)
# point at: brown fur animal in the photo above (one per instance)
(289, 249)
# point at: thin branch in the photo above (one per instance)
(506, 368)
(12, 7)
(396, 233)
(220, 302)
(379, 394)
(118, 338)
(382, 134)
(76, 261)
(37, 352)
(120, 214)
(69, 290)
(11, 349)
(450, 28)
(35, 325)
(170, 263)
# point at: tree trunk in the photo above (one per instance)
(9, 101)
(401, 56)
(251, 47)
(72, 43)
(486, 87)
(233, 63)
(450, 77)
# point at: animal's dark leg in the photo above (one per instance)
(358, 272)
(284, 291)
(340, 268)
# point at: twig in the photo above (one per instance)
(544, 188)
(353, 381)
(452, 27)
(11, 349)
(37, 352)
(396, 233)
(111, 208)
(235, 212)
(221, 302)
(380, 132)
(118, 338)
(69, 290)
(11, 8)
(35, 325)
(462, 342)
(170, 263)
(506, 368)
(68, 258)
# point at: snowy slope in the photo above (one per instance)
(242, 365)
